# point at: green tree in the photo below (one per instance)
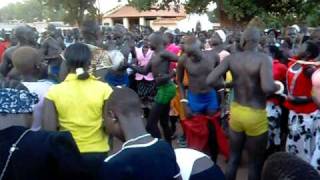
(29, 11)
(75, 10)
(232, 12)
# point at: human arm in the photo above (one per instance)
(50, 116)
(214, 77)
(164, 78)
(182, 89)
(141, 70)
(266, 77)
(6, 65)
(169, 56)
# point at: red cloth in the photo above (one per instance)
(197, 133)
(3, 47)
(302, 87)
(279, 73)
(223, 142)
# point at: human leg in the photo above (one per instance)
(237, 141)
(256, 146)
(164, 122)
(153, 119)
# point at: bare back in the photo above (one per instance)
(246, 69)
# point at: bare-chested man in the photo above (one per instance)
(166, 90)
(25, 37)
(201, 99)
(252, 81)
(198, 65)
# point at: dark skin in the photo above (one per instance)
(216, 43)
(126, 124)
(50, 111)
(25, 36)
(252, 82)
(306, 56)
(159, 66)
(198, 66)
(160, 61)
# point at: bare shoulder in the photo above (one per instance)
(263, 57)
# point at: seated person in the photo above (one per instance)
(26, 154)
(285, 166)
(141, 156)
(195, 165)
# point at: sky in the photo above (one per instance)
(104, 4)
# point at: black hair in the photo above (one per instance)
(285, 166)
(313, 49)
(277, 53)
(78, 55)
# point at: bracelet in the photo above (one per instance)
(184, 101)
(221, 90)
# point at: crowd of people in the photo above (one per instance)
(66, 98)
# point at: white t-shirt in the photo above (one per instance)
(186, 159)
(40, 88)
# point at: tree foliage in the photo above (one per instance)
(75, 10)
(29, 11)
(230, 12)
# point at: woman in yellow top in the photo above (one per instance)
(77, 105)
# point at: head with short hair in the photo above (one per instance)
(292, 34)
(169, 36)
(123, 105)
(25, 35)
(156, 40)
(250, 38)
(192, 46)
(78, 59)
(285, 166)
(26, 60)
(217, 38)
(308, 51)
(90, 31)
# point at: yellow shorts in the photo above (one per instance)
(253, 122)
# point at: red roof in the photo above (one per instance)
(129, 11)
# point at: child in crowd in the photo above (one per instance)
(141, 156)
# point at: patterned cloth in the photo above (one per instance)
(100, 59)
(304, 129)
(274, 117)
(146, 89)
(14, 101)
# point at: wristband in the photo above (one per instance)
(184, 101)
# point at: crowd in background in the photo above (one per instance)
(93, 84)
